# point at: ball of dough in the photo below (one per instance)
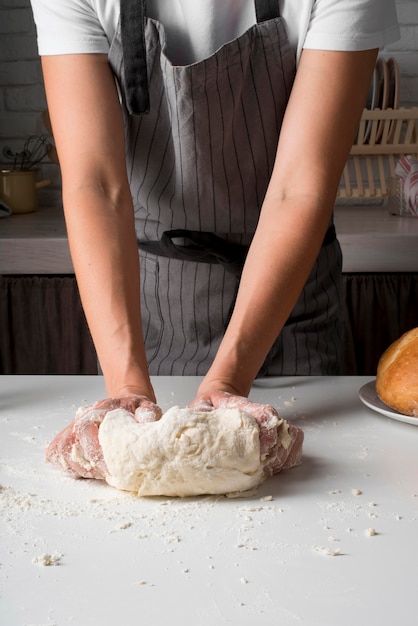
(185, 453)
(397, 374)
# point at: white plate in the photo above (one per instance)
(394, 83)
(370, 398)
(394, 86)
(371, 103)
(383, 98)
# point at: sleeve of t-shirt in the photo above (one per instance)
(68, 27)
(352, 24)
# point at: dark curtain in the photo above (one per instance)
(379, 309)
(43, 328)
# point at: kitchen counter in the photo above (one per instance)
(35, 243)
(300, 551)
(371, 240)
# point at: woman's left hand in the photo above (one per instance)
(274, 454)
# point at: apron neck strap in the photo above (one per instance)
(266, 10)
(132, 20)
(132, 23)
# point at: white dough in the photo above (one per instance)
(185, 453)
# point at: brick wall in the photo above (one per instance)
(22, 97)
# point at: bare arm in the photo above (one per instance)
(88, 130)
(317, 133)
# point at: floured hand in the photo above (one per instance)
(223, 444)
(280, 442)
(77, 450)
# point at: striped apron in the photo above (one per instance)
(201, 142)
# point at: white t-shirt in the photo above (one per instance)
(195, 29)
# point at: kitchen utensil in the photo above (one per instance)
(19, 189)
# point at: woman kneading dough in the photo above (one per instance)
(201, 146)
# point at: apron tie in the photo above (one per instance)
(266, 10)
(207, 248)
(132, 24)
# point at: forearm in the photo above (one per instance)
(99, 213)
(316, 135)
(278, 263)
(103, 246)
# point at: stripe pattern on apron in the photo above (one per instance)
(199, 158)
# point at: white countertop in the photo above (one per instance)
(372, 240)
(212, 561)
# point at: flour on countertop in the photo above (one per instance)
(48, 559)
(327, 551)
(171, 526)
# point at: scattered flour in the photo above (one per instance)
(327, 551)
(48, 559)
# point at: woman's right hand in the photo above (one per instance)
(76, 449)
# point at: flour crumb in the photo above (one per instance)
(186, 570)
(364, 453)
(327, 551)
(356, 492)
(398, 517)
(48, 559)
(125, 525)
(266, 498)
(244, 581)
(334, 492)
(372, 503)
(142, 582)
(370, 532)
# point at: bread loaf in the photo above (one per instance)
(397, 374)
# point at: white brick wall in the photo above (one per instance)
(22, 97)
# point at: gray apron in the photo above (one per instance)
(201, 142)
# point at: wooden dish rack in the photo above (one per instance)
(383, 137)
